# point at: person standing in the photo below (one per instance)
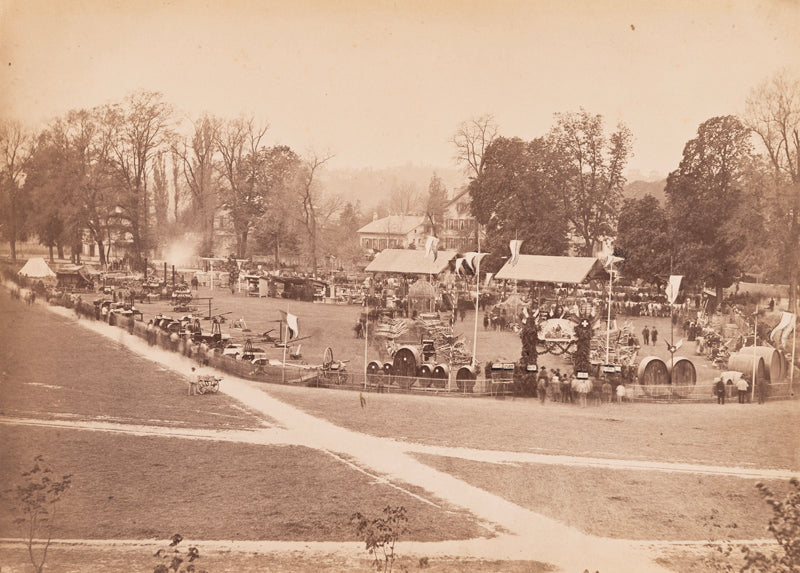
(541, 386)
(555, 386)
(719, 390)
(761, 389)
(654, 335)
(646, 336)
(741, 386)
(621, 393)
(606, 391)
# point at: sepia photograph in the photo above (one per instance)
(367, 285)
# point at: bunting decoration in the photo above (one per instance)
(473, 260)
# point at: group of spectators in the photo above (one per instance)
(558, 387)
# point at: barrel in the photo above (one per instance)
(374, 368)
(773, 363)
(426, 375)
(743, 362)
(683, 377)
(406, 361)
(653, 373)
(441, 373)
(388, 368)
(465, 378)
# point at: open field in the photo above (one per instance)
(332, 325)
(128, 486)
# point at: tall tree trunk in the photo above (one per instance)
(50, 247)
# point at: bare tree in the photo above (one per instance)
(137, 129)
(313, 211)
(404, 198)
(17, 147)
(471, 140)
(773, 113)
(239, 143)
(197, 159)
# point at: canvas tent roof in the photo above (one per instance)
(548, 269)
(36, 268)
(410, 261)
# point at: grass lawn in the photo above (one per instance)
(148, 487)
(128, 487)
(747, 435)
(626, 504)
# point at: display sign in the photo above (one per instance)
(609, 368)
(532, 368)
(509, 366)
(582, 375)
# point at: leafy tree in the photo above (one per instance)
(643, 239)
(703, 196)
(342, 240)
(278, 171)
(515, 198)
(773, 113)
(72, 180)
(16, 148)
(588, 172)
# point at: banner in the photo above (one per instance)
(612, 259)
(292, 325)
(780, 334)
(430, 247)
(488, 278)
(458, 264)
(515, 245)
(673, 288)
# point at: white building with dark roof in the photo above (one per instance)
(393, 232)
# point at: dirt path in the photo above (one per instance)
(393, 461)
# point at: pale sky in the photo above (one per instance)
(385, 83)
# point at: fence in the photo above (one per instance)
(499, 386)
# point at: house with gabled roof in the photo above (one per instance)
(393, 232)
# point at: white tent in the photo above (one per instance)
(37, 268)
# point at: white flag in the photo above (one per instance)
(292, 325)
(458, 264)
(430, 246)
(473, 260)
(612, 259)
(488, 278)
(780, 334)
(515, 245)
(673, 287)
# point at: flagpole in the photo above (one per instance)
(794, 342)
(366, 340)
(285, 345)
(755, 341)
(477, 299)
(608, 321)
